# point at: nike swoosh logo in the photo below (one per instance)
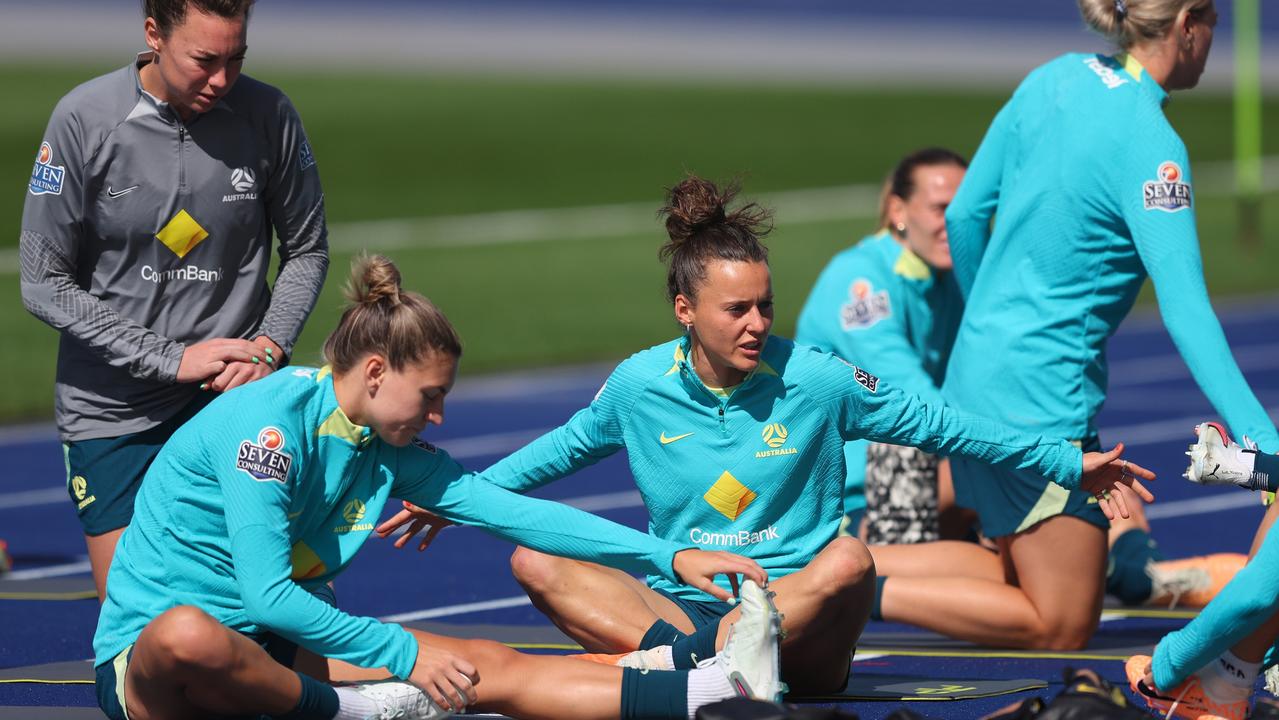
(113, 194)
(668, 440)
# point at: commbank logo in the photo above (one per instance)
(182, 234)
(729, 496)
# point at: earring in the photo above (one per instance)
(688, 329)
(901, 229)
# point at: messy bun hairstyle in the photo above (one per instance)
(386, 319)
(1131, 22)
(701, 229)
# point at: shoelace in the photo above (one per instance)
(1173, 708)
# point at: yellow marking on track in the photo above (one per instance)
(1023, 654)
(73, 595)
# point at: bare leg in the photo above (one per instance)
(1254, 647)
(186, 664)
(1271, 513)
(826, 606)
(101, 551)
(1136, 519)
(537, 687)
(938, 559)
(1052, 600)
(954, 522)
(604, 609)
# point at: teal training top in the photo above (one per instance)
(760, 471)
(271, 490)
(879, 306)
(1090, 190)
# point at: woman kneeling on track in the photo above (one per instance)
(1090, 191)
(736, 439)
(255, 505)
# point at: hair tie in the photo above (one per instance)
(1121, 10)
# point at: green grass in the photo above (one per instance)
(410, 146)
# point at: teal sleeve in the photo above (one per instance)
(969, 214)
(257, 525)
(436, 482)
(864, 407)
(1247, 601)
(592, 434)
(882, 345)
(1168, 244)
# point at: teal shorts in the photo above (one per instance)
(1009, 502)
(701, 612)
(104, 474)
(109, 676)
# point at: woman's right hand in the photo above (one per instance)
(447, 678)
(699, 568)
(208, 358)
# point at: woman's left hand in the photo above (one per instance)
(1105, 471)
(417, 519)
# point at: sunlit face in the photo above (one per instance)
(399, 404)
(729, 320)
(1193, 33)
(197, 63)
(921, 218)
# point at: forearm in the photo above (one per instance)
(1240, 608)
(49, 292)
(276, 603)
(554, 455)
(549, 527)
(297, 287)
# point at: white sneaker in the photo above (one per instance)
(749, 658)
(398, 700)
(1216, 460)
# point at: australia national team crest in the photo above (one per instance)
(865, 306)
(265, 459)
(46, 178)
(1169, 191)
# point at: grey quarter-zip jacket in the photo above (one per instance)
(142, 234)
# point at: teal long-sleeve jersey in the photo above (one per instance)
(759, 471)
(271, 490)
(1090, 189)
(880, 307)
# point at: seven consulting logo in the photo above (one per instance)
(264, 460)
(46, 178)
(865, 307)
(1167, 192)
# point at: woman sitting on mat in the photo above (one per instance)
(266, 495)
(736, 439)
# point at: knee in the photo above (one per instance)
(187, 639)
(844, 565)
(1063, 635)
(535, 571)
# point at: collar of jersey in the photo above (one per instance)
(337, 424)
(911, 266)
(1133, 67)
(683, 365)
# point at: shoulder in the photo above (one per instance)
(94, 108)
(252, 96)
(284, 398)
(814, 370)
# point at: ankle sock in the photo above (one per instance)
(318, 701)
(1126, 576)
(661, 633)
(707, 685)
(689, 650)
(655, 694)
(1229, 678)
(877, 610)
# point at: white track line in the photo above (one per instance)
(74, 568)
(462, 609)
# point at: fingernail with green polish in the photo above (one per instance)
(204, 386)
(255, 360)
(268, 351)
